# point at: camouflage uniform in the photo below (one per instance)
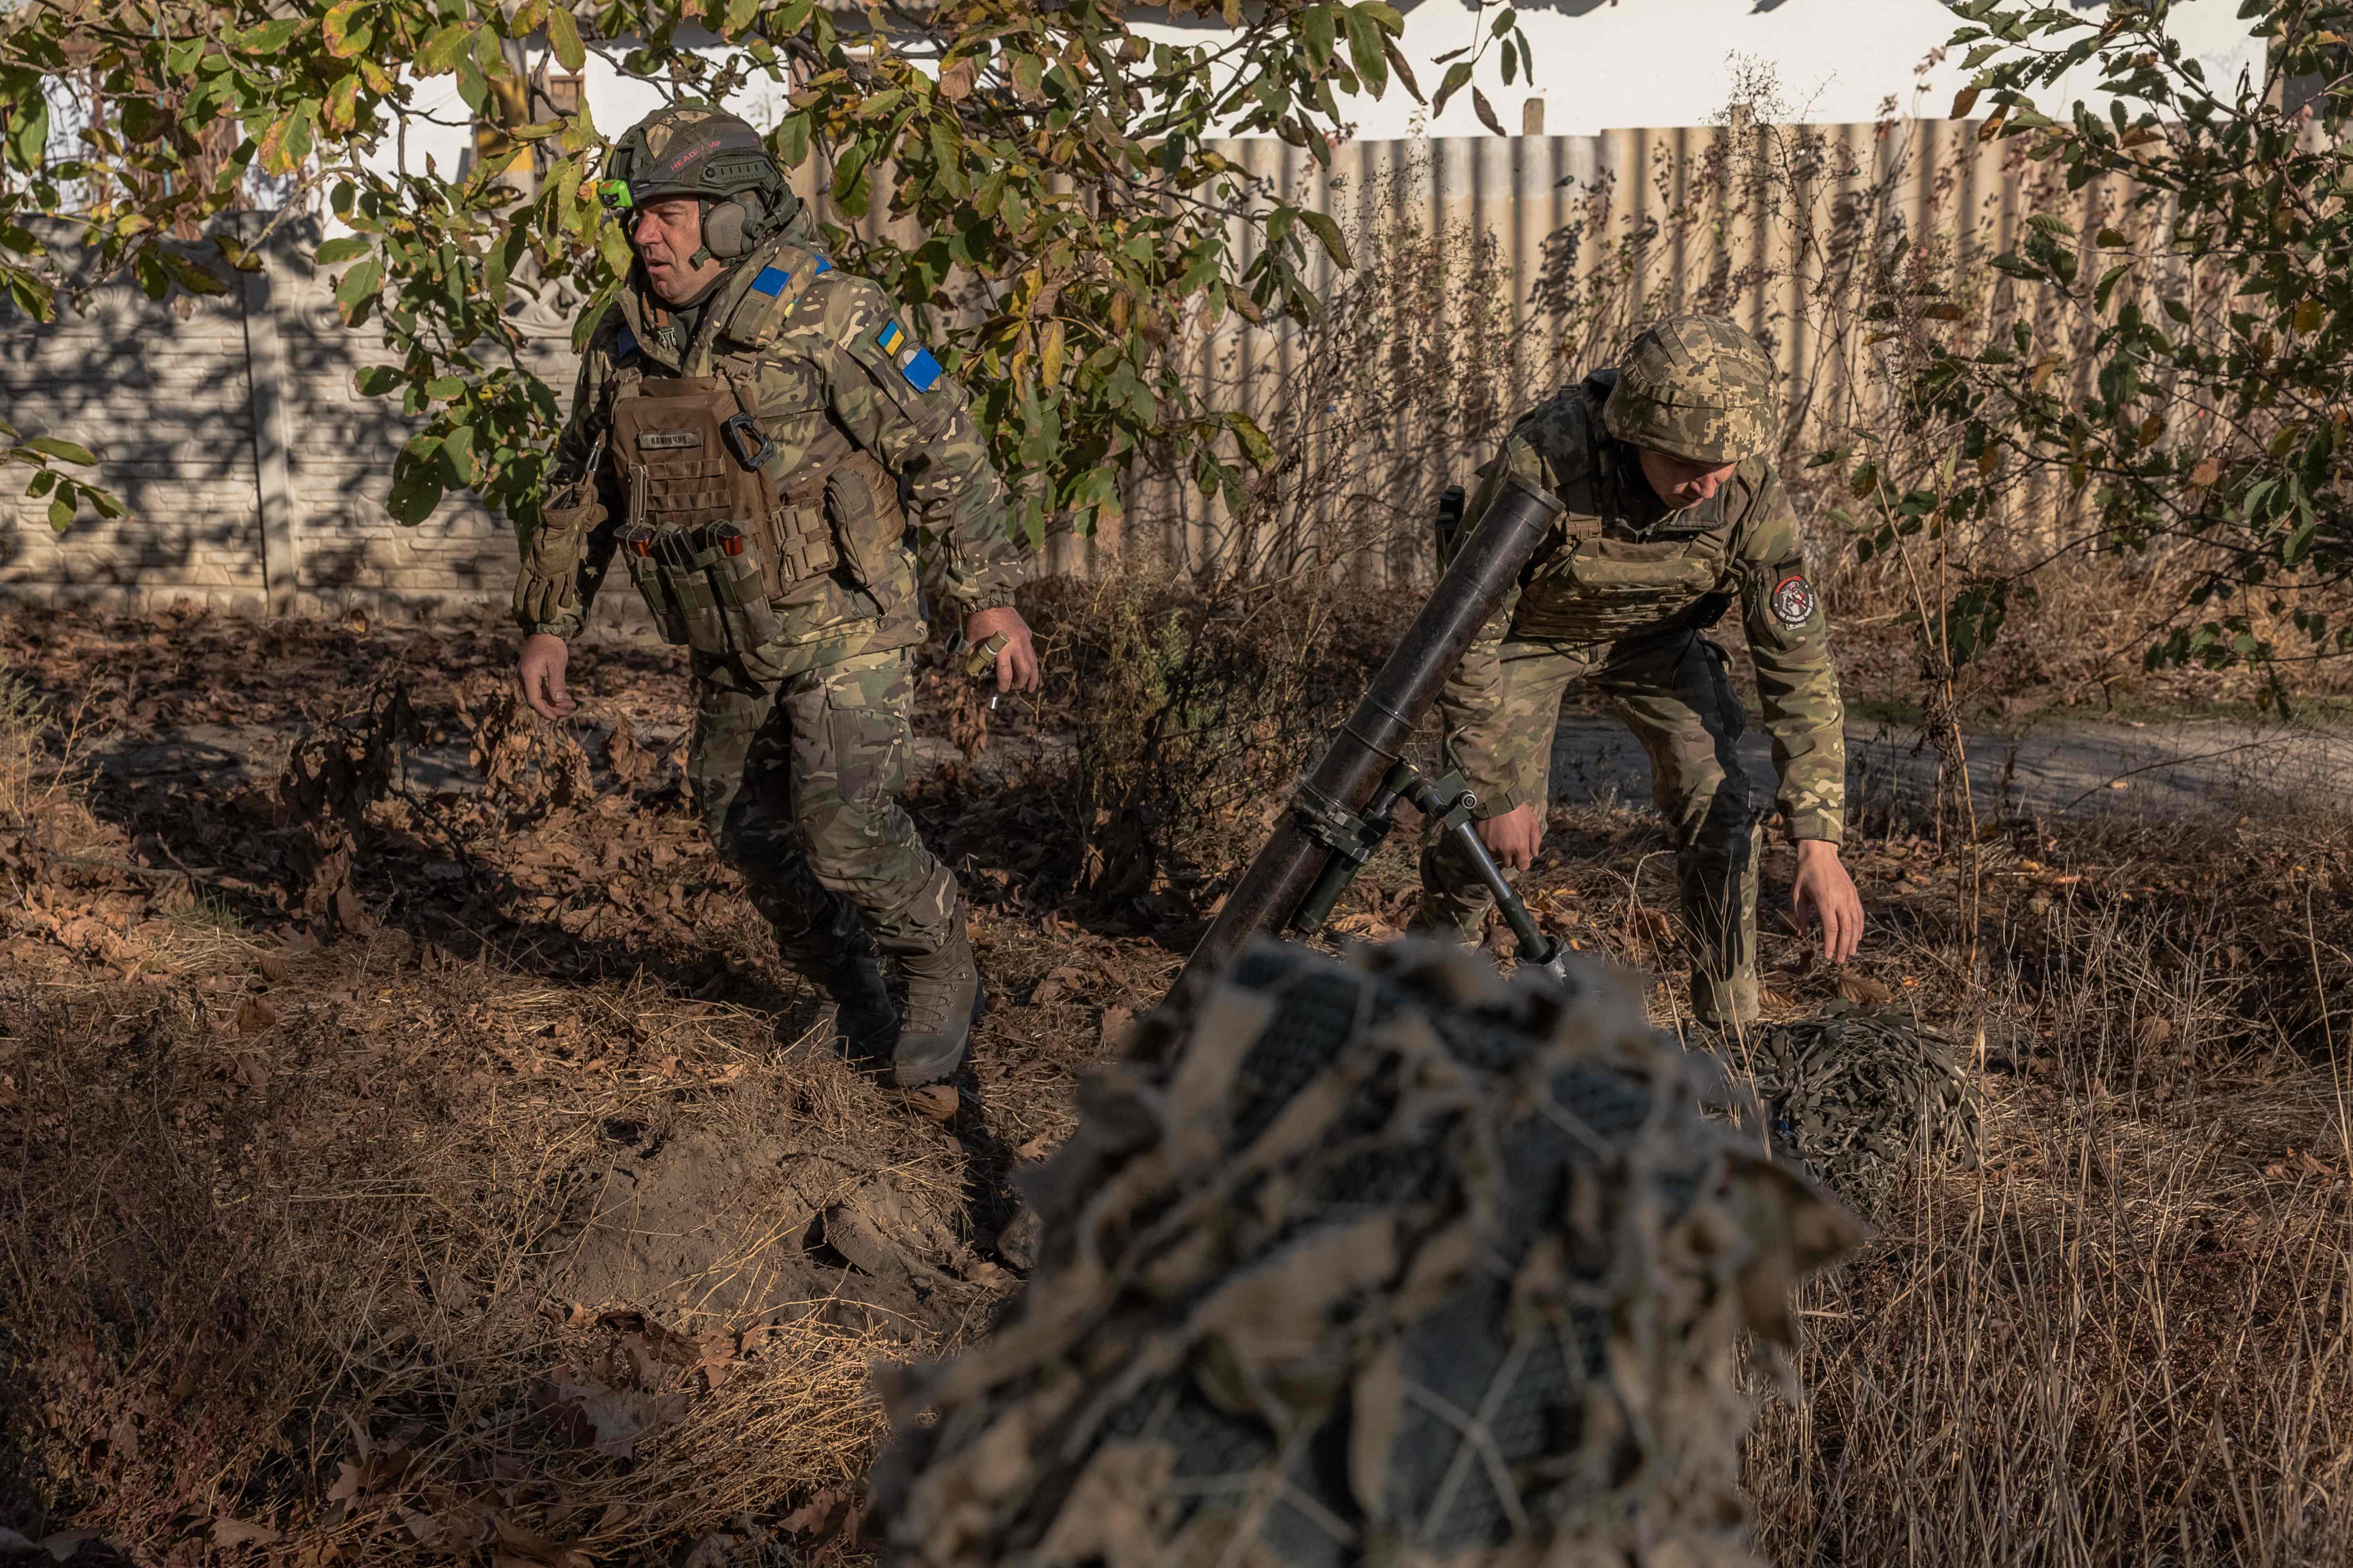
(801, 743)
(1619, 595)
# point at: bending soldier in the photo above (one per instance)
(746, 423)
(1673, 516)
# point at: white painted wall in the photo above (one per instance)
(1602, 64)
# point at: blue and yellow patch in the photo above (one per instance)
(772, 280)
(914, 361)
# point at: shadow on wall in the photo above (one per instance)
(170, 395)
(157, 389)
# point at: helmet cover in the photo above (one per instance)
(1696, 387)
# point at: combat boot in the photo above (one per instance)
(848, 969)
(1726, 1003)
(943, 1003)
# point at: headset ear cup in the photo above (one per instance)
(724, 227)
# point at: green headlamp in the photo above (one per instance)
(615, 195)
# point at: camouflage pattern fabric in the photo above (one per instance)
(822, 360)
(1859, 1096)
(1619, 594)
(1386, 1261)
(1675, 693)
(1697, 388)
(797, 782)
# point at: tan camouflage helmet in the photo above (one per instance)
(699, 150)
(1696, 388)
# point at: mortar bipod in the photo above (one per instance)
(1354, 837)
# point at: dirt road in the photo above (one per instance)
(2057, 768)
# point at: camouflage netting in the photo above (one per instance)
(1856, 1095)
(1388, 1261)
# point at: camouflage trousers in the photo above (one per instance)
(798, 781)
(1676, 694)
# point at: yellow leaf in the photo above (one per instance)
(1963, 102)
(2308, 315)
(1988, 461)
(1049, 354)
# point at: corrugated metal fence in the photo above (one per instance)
(1491, 270)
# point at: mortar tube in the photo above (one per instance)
(1484, 570)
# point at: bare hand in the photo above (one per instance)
(1823, 891)
(1017, 662)
(1513, 837)
(539, 672)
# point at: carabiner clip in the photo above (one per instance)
(744, 440)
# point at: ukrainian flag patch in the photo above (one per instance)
(914, 361)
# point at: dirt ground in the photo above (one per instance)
(415, 1149)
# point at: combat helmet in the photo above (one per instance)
(701, 151)
(1696, 388)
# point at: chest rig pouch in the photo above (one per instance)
(706, 541)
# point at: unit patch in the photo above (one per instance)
(1793, 600)
(914, 361)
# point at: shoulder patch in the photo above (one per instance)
(914, 361)
(1792, 600)
(625, 344)
(771, 282)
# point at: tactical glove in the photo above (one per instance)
(551, 567)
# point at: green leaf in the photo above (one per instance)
(334, 252)
(1255, 445)
(358, 285)
(345, 34)
(563, 37)
(457, 455)
(1457, 75)
(1369, 49)
(1316, 27)
(444, 48)
(375, 380)
(61, 514)
(1485, 111)
(1327, 231)
(64, 451)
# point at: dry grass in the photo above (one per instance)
(2124, 1339)
(360, 1272)
(357, 1250)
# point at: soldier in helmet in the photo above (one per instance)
(1674, 517)
(750, 433)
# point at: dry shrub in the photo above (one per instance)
(2125, 1339)
(1193, 709)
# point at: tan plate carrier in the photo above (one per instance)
(711, 541)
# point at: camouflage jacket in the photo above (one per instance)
(1619, 567)
(815, 345)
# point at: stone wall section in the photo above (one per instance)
(159, 391)
(254, 470)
